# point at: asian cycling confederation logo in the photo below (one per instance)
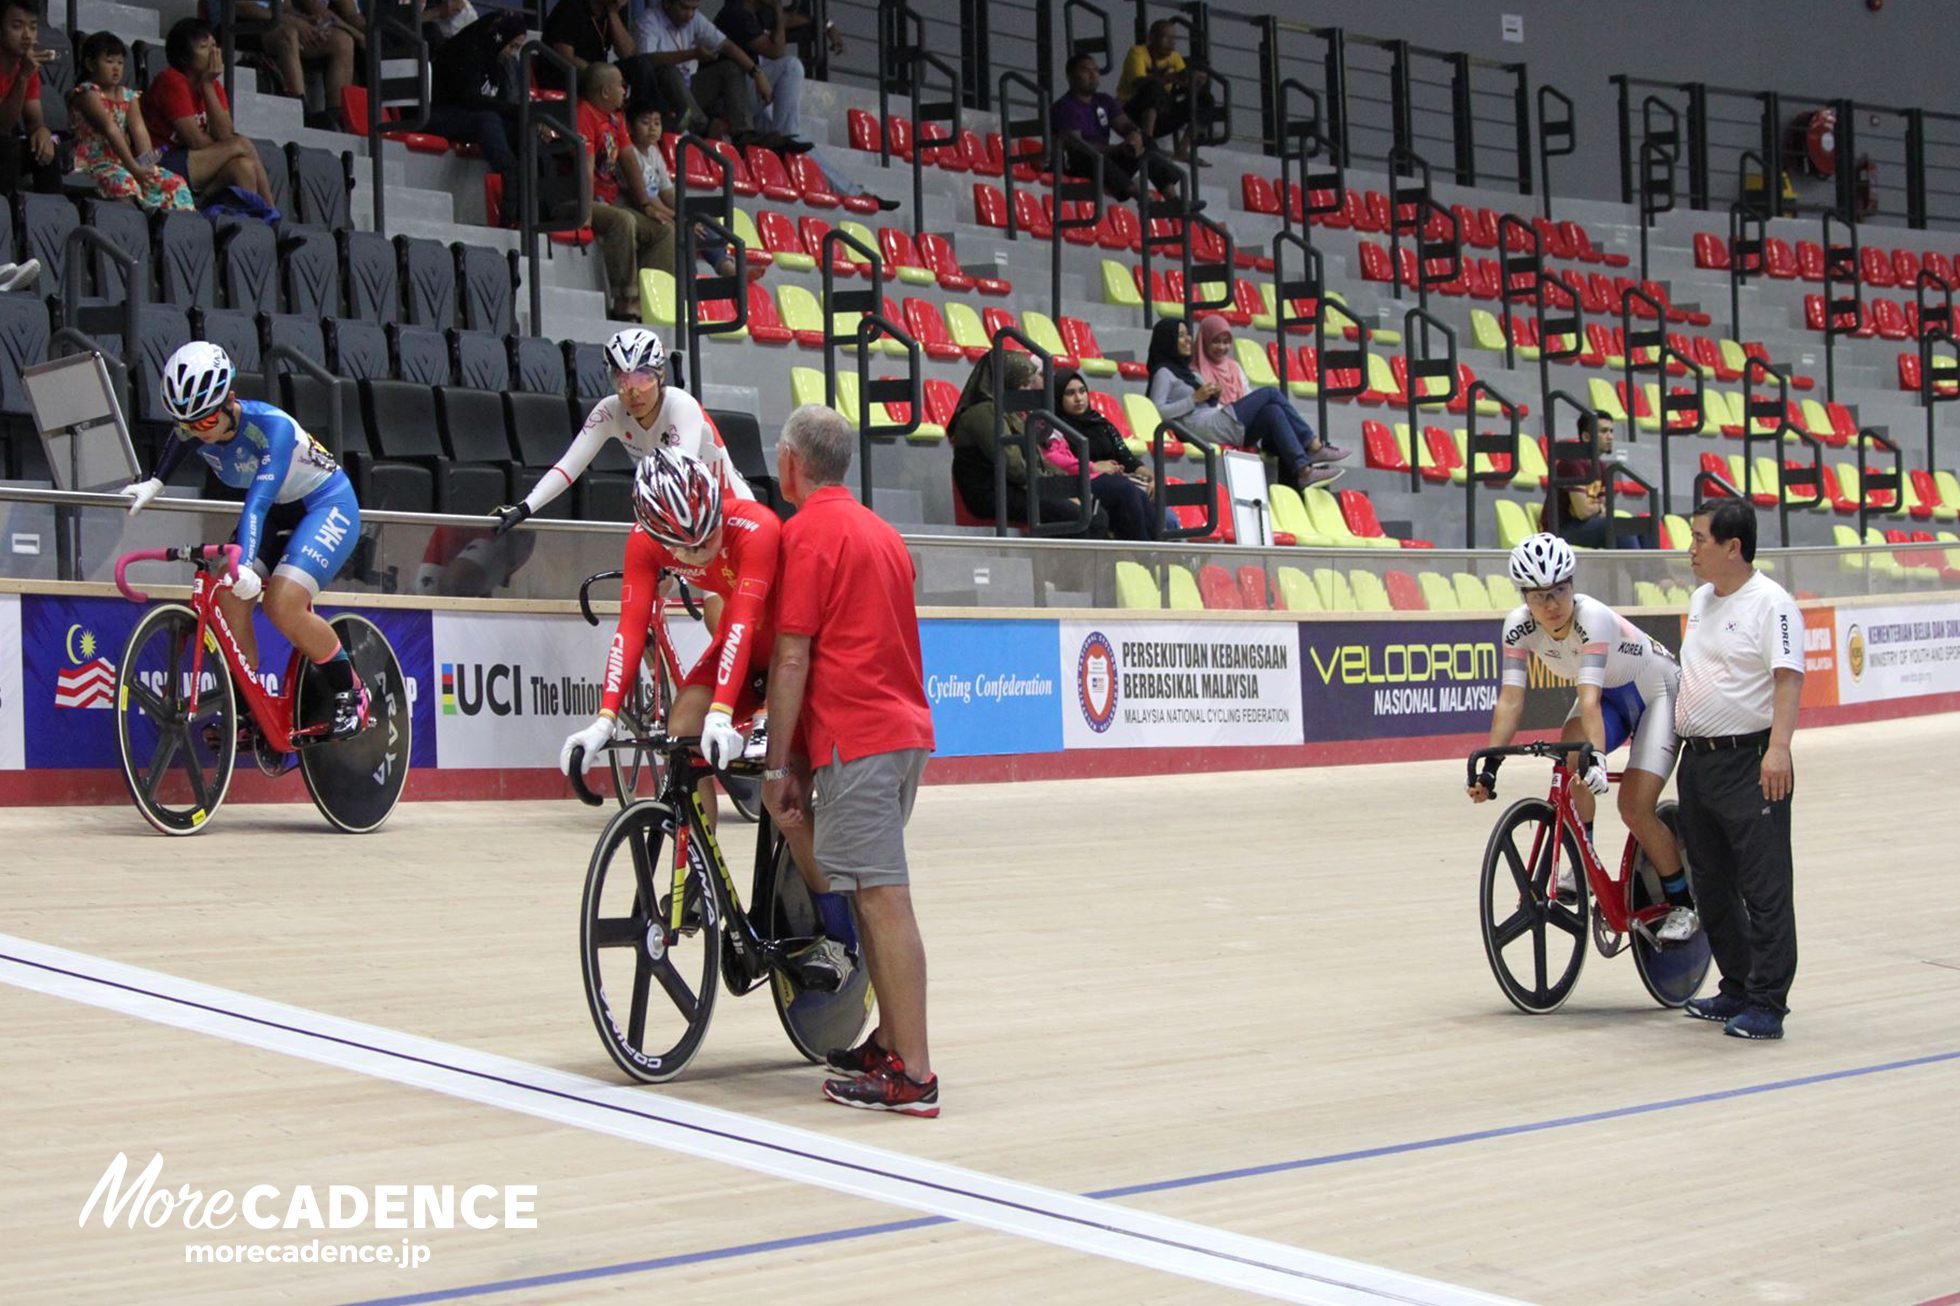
(1095, 682)
(91, 681)
(1855, 652)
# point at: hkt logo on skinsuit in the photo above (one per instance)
(91, 682)
(1095, 681)
(470, 687)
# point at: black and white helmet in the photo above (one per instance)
(1542, 561)
(636, 349)
(196, 381)
(676, 498)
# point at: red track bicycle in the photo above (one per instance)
(177, 722)
(1534, 936)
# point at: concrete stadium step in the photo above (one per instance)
(130, 22)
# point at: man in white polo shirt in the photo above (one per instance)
(1741, 679)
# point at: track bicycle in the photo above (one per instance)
(662, 924)
(644, 709)
(1529, 924)
(178, 728)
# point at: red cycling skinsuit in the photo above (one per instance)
(743, 573)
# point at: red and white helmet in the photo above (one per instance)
(676, 498)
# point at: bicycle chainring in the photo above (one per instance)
(1609, 943)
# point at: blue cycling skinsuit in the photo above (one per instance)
(300, 518)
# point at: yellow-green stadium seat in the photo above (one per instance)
(805, 386)
(1503, 594)
(1253, 362)
(1336, 595)
(1952, 555)
(1946, 509)
(1144, 419)
(1183, 587)
(1381, 376)
(1816, 418)
(1678, 531)
(1471, 596)
(798, 308)
(1846, 537)
(1325, 515)
(1849, 483)
(1734, 356)
(1646, 594)
(1532, 470)
(1269, 319)
(1534, 515)
(1135, 588)
(1041, 329)
(1370, 595)
(963, 325)
(1883, 562)
(1484, 331)
(1512, 523)
(863, 235)
(1297, 591)
(1290, 515)
(1949, 487)
(1678, 594)
(1117, 285)
(1606, 399)
(1401, 430)
(1437, 593)
(1651, 392)
(657, 298)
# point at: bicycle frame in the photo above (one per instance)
(272, 713)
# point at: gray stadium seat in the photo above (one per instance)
(743, 439)
(401, 418)
(129, 230)
(539, 365)
(302, 335)
(540, 428)
(187, 260)
(586, 364)
(235, 332)
(482, 361)
(45, 221)
(488, 279)
(428, 279)
(276, 170)
(311, 269)
(248, 265)
(476, 477)
(358, 350)
(320, 187)
(367, 264)
(161, 329)
(24, 332)
(421, 354)
(306, 399)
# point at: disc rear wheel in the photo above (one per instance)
(816, 1021)
(356, 781)
(1672, 972)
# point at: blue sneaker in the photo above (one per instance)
(1756, 1022)
(1717, 1006)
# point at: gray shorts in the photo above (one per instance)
(861, 808)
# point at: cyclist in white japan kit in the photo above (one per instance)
(644, 415)
(1627, 681)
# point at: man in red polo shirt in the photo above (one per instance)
(847, 678)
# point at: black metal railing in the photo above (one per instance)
(714, 212)
(1422, 363)
(1844, 303)
(1871, 483)
(1166, 497)
(1013, 131)
(534, 117)
(1071, 195)
(943, 114)
(1557, 136)
(1343, 360)
(1491, 457)
(1039, 413)
(1642, 346)
(390, 39)
(1288, 290)
(1939, 381)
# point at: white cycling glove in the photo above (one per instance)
(246, 586)
(721, 742)
(591, 739)
(142, 492)
(1595, 777)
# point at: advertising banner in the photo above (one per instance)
(1820, 657)
(1163, 684)
(1898, 652)
(12, 756)
(510, 688)
(992, 686)
(69, 648)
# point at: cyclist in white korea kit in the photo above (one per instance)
(1627, 681)
(645, 414)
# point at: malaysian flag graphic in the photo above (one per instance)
(92, 684)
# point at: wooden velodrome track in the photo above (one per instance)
(1254, 1003)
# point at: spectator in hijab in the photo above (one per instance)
(1210, 394)
(972, 435)
(1122, 482)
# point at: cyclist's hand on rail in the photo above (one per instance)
(1778, 773)
(509, 515)
(721, 742)
(245, 586)
(1595, 776)
(591, 739)
(141, 492)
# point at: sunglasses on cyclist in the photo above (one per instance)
(209, 422)
(643, 379)
(1562, 590)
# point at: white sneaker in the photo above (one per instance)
(1679, 927)
(20, 276)
(1568, 882)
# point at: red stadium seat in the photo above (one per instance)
(1810, 260)
(942, 400)
(1219, 588)
(766, 168)
(354, 119)
(1258, 195)
(1875, 267)
(864, 129)
(1378, 448)
(765, 324)
(923, 320)
(1711, 251)
(809, 181)
(814, 230)
(1404, 595)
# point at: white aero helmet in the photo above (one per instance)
(1541, 561)
(676, 498)
(196, 380)
(636, 349)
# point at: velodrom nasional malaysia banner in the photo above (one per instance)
(1166, 684)
(12, 752)
(1898, 652)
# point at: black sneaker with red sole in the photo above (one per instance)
(888, 1088)
(860, 1060)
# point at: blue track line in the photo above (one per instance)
(1164, 1185)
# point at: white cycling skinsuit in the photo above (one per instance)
(680, 424)
(1636, 675)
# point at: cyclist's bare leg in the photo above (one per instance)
(897, 958)
(1582, 797)
(1640, 792)
(289, 606)
(238, 616)
(685, 717)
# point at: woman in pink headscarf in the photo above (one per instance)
(1270, 422)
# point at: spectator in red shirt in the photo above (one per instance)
(189, 116)
(847, 680)
(26, 144)
(630, 237)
